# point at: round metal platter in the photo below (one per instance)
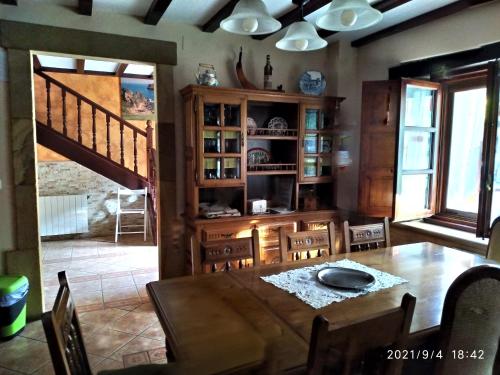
(345, 278)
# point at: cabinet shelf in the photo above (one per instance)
(270, 173)
(273, 137)
(266, 133)
(272, 168)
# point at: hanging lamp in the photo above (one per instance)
(346, 15)
(301, 36)
(250, 17)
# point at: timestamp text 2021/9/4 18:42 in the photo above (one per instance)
(424, 354)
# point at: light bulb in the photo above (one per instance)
(301, 44)
(348, 18)
(250, 24)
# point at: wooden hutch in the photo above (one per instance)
(230, 163)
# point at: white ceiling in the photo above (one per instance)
(197, 12)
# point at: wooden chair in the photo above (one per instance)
(361, 346)
(366, 237)
(231, 252)
(470, 324)
(65, 341)
(494, 243)
(64, 335)
(312, 242)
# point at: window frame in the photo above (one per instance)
(456, 219)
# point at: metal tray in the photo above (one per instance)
(345, 278)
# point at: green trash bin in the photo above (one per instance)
(13, 294)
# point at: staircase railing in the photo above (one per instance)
(138, 136)
(66, 91)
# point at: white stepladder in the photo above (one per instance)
(135, 211)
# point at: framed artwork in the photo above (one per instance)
(137, 99)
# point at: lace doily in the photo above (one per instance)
(302, 282)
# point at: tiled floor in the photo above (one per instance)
(107, 282)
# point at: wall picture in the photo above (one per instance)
(137, 98)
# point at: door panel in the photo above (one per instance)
(379, 119)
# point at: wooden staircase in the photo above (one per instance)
(70, 139)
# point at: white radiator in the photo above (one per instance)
(63, 214)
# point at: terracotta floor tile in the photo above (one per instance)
(120, 294)
(134, 322)
(106, 341)
(136, 359)
(136, 345)
(158, 354)
(143, 279)
(118, 282)
(154, 332)
(90, 285)
(17, 354)
(108, 364)
(101, 317)
(128, 307)
(112, 275)
(123, 302)
(87, 308)
(84, 251)
(34, 330)
(4, 371)
(86, 297)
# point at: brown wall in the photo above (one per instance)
(103, 90)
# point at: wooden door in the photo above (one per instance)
(221, 140)
(379, 123)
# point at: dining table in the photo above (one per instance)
(231, 322)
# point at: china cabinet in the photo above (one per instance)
(244, 146)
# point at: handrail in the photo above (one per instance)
(92, 103)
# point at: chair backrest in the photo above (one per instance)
(470, 323)
(130, 192)
(343, 348)
(231, 253)
(63, 333)
(312, 243)
(494, 242)
(365, 237)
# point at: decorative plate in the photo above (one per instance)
(345, 278)
(251, 126)
(278, 124)
(258, 155)
(312, 83)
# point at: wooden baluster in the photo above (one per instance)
(63, 96)
(122, 156)
(79, 118)
(49, 104)
(94, 143)
(108, 142)
(135, 151)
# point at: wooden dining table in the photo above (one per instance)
(234, 321)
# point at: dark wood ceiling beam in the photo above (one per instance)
(156, 11)
(9, 2)
(433, 15)
(296, 15)
(80, 66)
(36, 63)
(382, 5)
(214, 22)
(120, 70)
(85, 7)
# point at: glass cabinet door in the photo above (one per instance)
(222, 140)
(317, 144)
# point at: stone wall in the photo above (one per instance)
(70, 178)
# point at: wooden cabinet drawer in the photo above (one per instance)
(270, 232)
(216, 234)
(217, 251)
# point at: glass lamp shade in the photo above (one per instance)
(345, 15)
(250, 17)
(301, 36)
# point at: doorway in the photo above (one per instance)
(95, 132)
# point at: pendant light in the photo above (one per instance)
(301, 36)
(345, 15)
(250, 17)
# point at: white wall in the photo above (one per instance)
(193, 47)
(465, 30)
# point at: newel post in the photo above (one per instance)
(149, 146)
